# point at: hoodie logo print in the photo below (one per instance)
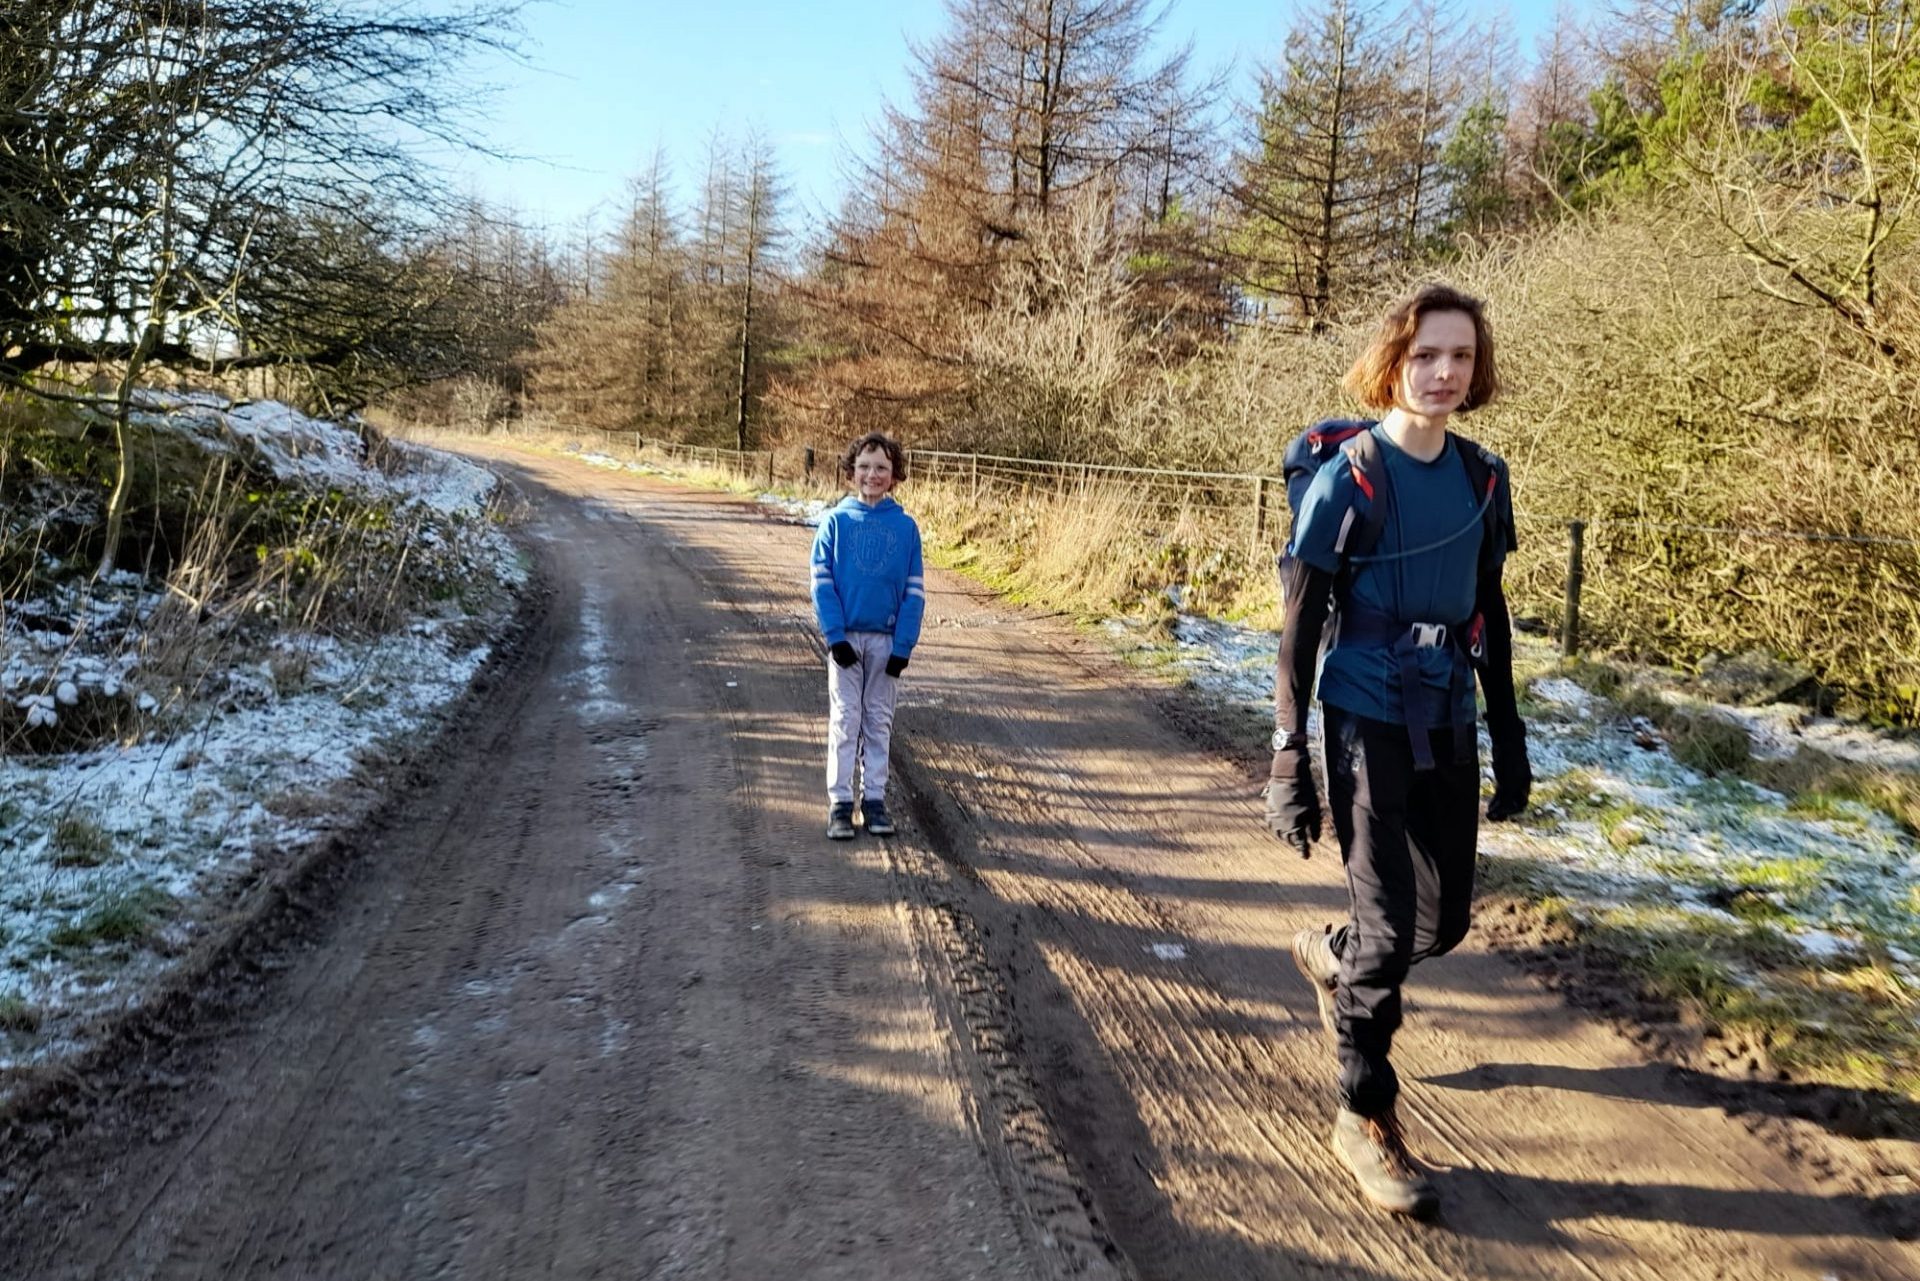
(874, 547)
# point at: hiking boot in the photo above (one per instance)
(1313, 953)
(879, 822)
(1376, 1152)
(840, 821)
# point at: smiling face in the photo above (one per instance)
(1437, 371)
(872, 474)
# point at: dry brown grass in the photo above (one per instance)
(1099, 547)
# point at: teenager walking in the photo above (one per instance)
(1406, 621)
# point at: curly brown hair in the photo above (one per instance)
(875, 440)
(1375, 376)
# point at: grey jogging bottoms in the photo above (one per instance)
(860, 717)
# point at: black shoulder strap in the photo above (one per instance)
(1485, 479)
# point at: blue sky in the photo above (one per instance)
(608, 80)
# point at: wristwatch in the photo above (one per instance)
(1283, 740)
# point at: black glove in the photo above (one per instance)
(1512, 775)
(844, 653)
(1293, 803)
(896, 663)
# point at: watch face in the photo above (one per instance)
(1279, 739)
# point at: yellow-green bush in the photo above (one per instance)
(1659, 390)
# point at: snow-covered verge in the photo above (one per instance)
(163, 748)
(1632, 827)
(1629, 822)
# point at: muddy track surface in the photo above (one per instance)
(601, 1001)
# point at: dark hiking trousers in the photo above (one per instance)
(1408, 839)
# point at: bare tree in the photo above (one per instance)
(1323, 177)
(1812, 157)
(1019, 107)
(154, 151)
(159, 139)
(758, 198)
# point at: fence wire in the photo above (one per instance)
(1655, 585)
(1252, 494)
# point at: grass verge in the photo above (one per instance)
(1745, 999)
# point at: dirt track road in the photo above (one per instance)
(603, 1003)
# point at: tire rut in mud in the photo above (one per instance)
(972, 968)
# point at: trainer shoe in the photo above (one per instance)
(1376, 1152)
(1313, 953)
(840, 821)
(879, 822)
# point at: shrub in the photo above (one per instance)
(80, 842)
(122, 918)
(1703, 741)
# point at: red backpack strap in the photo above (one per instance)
(1362, 534)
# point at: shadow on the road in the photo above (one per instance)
(1851, 1113)
(1030, 838)
(1754, 1211)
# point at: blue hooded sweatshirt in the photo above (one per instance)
(867, 575)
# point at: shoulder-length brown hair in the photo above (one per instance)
(875, 440)
(1375, 376)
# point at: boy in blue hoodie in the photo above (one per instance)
(869, 595)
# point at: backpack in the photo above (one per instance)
(1359, 534)
(1318, 445)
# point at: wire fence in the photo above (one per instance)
(1250, 496)
(1833, 602)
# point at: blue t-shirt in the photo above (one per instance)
(1434, 512)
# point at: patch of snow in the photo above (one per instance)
(807, 511)
(1228, 659)
(1567, 693)
(311, 452)
(1822, 946)
(447, 483)
(1168, 951)
(238, 771)
(596, 663)
(1780, 729)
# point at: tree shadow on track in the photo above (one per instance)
(1850, 1113)
(1754, 1211)
(1079, 880)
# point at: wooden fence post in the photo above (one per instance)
(769, 469)
(1576, 578)
(1259, 512)
(973, 465)
(806, 461)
